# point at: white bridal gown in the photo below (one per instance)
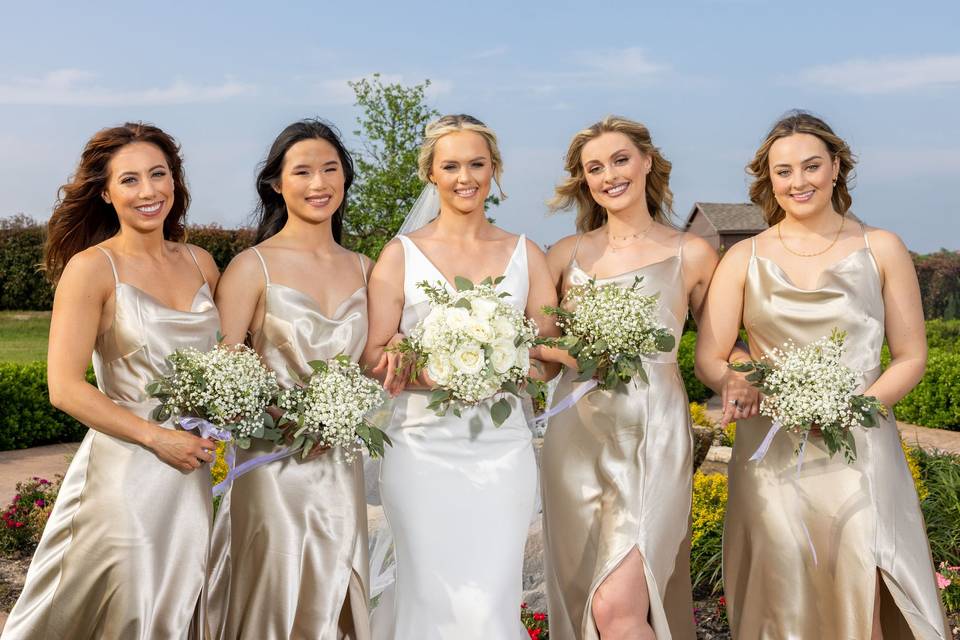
(459, 495)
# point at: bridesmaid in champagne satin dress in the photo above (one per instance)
(617, 466)
(864, 567)
(290, 540)
(124, 552)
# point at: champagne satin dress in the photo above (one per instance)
(861, 517)
(124, 553)
(289, 551)
(617, 475)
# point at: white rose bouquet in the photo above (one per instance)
(329, 408)
(807, 387)
(609, 329)
(227, 387)
(473, 345)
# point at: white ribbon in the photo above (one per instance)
(767, 441)
(564, 404)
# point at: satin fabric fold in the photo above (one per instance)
(617, 475)
(289, 553)
(861, 517)
(124, 553)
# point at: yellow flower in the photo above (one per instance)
(922, 491)
(218, 470)
(709, 504)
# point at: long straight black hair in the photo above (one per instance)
(271, 211)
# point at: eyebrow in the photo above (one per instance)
(133, 173)
(306, 166)
(615, 153)
(786, 164)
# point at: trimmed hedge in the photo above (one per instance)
(935, 402)
(23, 287)
(696, 390)
(27, 418)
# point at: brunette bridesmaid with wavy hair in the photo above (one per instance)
(835, 549)
(290, 541)
(124, 553)
(617, 466)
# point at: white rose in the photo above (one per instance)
(483, 308)
(523, 360)
(457, 318)
(504, 329)
(469, 358)
(440, 368)
(503, 357)
(481, 331)
(430, 335)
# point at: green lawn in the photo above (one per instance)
(23, 335)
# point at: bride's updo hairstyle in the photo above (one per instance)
(761, 190)
(445, 125)
(574, 191)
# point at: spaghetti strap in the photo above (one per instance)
(753, 243)
(113, 266)
(576, 247)
(866, 240)
(680, 245)
(190, 251)
(363, 269)
(263, 263)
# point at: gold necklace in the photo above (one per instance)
(843, 219)
(633, 237)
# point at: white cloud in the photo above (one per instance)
(78, 87)
(631, 62)
(607, 69)
(885, 75)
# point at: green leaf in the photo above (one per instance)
(462, 284)
(498, 280)
(600, 346)
(154, 388)
(307, 446)
(500, 411)
(319, 365)
(665, 342)
(511, 387)
(463, 303)
(611, 380)
(568, 341)
(456, 412)
(268, 420)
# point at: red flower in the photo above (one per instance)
(723, 601)
(539, 616)
(523, 605)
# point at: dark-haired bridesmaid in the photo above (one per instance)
(124, 552)
(833, 549)
(290, 541)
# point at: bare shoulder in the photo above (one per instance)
(738, 255)
(89, 271)
(205, 260)
(563, 248)
(696, 247)
(364, 260)
(391, 255)
(885, 242)
(245, 264)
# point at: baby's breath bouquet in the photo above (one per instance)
(330, 407)
(609, 329)
(228, 387)
(473, 345)
(809, 386)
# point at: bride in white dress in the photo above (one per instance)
(458, 492)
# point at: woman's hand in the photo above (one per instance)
(181, 450)
(741, 400)
(395, 367)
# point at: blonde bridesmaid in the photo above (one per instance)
(290, 541)
(124, 553)
(863, 570)
(617, 466)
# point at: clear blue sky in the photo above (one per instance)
(707, 77)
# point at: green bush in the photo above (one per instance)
(696, 390)
(28, 419)
(706, 541)
(943, 334)
(935, 402)
(23, 520)
(22, 285)
(223, 244)
(941, 506)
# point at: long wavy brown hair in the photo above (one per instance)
(81, 218)
(574, 191)
(797, 121)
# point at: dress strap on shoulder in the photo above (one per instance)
(753, 245)
(192, 255)
(680, 243)
(576, 247)
(113, 266)
(866, 239)
(363, 269)
(263, 264)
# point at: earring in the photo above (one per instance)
(834, 182)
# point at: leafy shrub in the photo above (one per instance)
(706, 554)
(222, 244)
(26, 515)
(22, 285)
(948, 581)
(535, 622)
(940, 473)
(935, 401)
(696, 390)
(28, 419)
(943, 334)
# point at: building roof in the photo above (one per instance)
(724, 216)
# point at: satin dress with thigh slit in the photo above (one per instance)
(617, 475)
(863, 518)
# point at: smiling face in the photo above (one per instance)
(140, 186)
(311, 180)
(802, 174)
(615, 171)
(462, 170)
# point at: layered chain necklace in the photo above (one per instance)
(627, 240)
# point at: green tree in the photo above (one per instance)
(391, 128)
